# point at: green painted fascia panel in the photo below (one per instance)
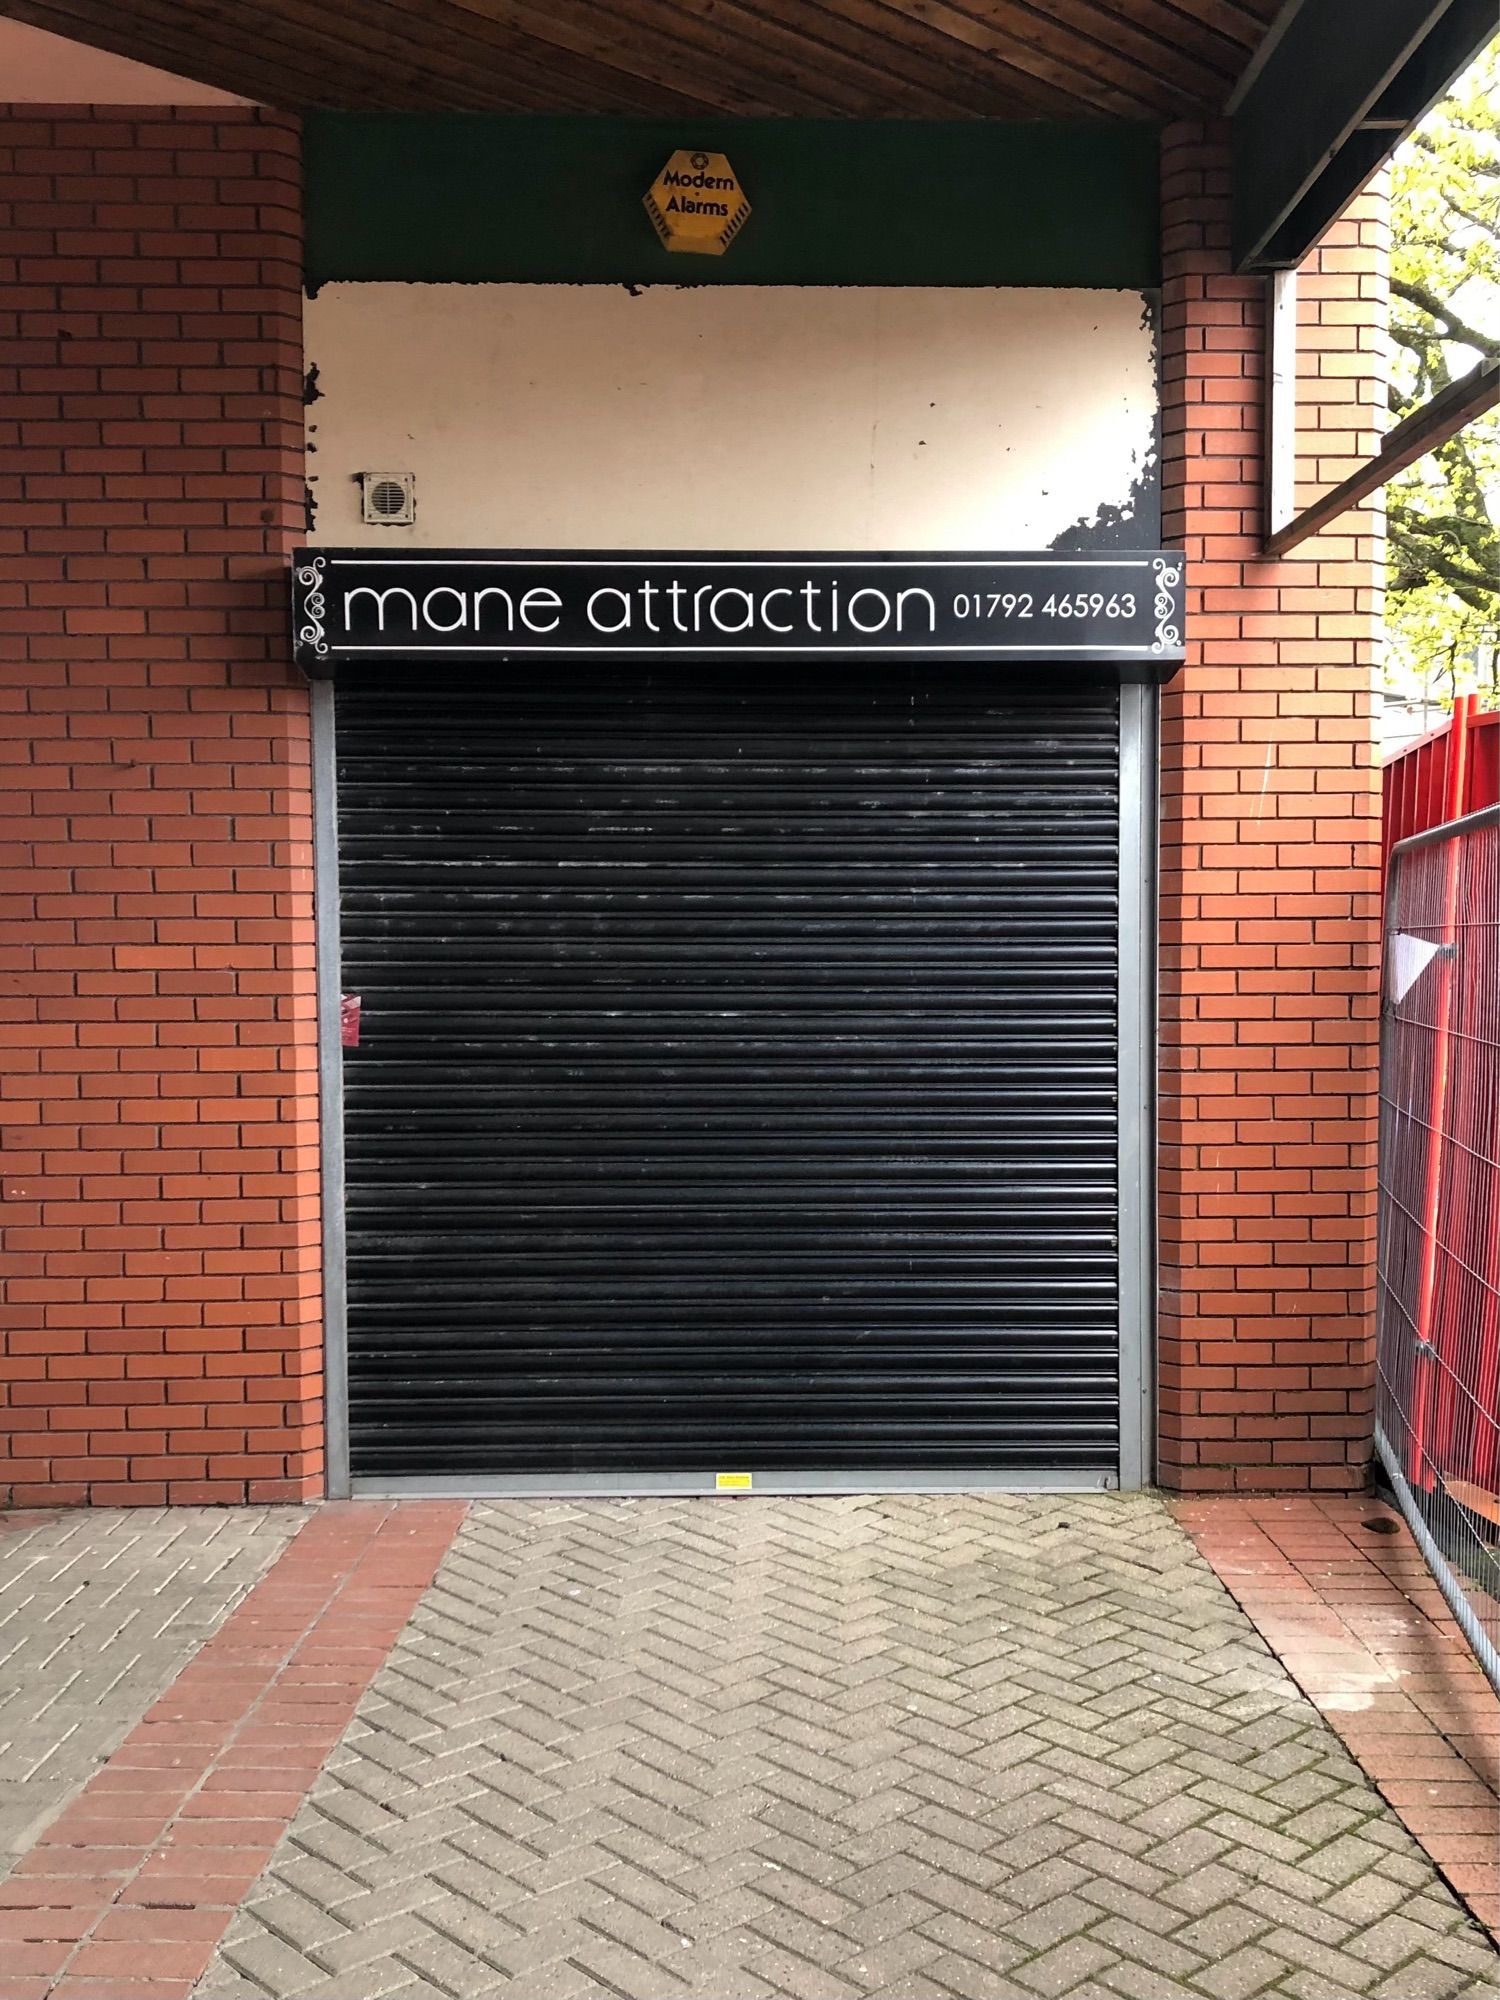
(466, 198)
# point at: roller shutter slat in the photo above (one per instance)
(737, 1075)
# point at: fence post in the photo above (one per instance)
(1428, 1331)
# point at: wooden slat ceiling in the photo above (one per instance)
(748, 58)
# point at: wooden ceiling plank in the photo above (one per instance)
(240, 53)
(629, 62)
(554, 74)
(291, 80)
(466, 27)
(865, 85)
(1133, 63)
(600, 34)
(243, 74)
(1086, 93)
(1245, 21)
(911, 26)
(868, 58)
(1001, 90)
(1220, 55)
(1010, 85)
(513, 86)
(1221, 36)
(512, 83)
(184, 28)
(300, 22)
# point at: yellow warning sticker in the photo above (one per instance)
(734, 1482)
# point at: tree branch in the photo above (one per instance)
(1418, 559)
(1458, 329)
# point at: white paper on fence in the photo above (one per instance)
(1410, 958)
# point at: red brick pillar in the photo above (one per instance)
(1270, 886)
(160, 1198)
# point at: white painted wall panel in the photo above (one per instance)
(735, 417)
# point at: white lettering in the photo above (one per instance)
(901, 597)
(747, 604)
(765, 609)
(731, 609)
(610, 590)
(445, 590)
(540, 600)
(885, 611)
(364, 590)
(494, 590)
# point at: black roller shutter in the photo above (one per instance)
(737, 1077)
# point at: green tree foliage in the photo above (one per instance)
(1443, 515)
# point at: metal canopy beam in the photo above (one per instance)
(1332, 99)
(1443, 416)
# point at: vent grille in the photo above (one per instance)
(390, 498)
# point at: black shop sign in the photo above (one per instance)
(352, 605)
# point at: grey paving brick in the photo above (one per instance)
(1367, 1898)
(883, 1748)
(1427, 1979)
(100, 1609)
(1204, 1885)
(1241, 1973)
(1164, 1954)
(1468, 1951)
(272, 1964)
(1144, 1982)
(1065, 1967)
(1395, 1940)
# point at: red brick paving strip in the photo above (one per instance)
(126, 1894)
(1353, 1614)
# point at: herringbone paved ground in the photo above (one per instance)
(907, 1747)
(99, 1609)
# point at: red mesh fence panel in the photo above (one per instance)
(1453, 771)
(1438, 1406)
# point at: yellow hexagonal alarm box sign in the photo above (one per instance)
(697, 204)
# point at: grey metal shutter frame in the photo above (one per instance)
(737, 1085)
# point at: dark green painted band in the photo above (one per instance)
(467, 198)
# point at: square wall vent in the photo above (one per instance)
(388, 499)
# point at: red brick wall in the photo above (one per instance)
(160, 1194)
(1269, 893)
(157, 994)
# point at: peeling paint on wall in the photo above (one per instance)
(1137, 523)
(815, 417)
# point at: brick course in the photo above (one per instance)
(1270, 884)
(160, 1195)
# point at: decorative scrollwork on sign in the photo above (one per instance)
(313, 608)
(1168, 576)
